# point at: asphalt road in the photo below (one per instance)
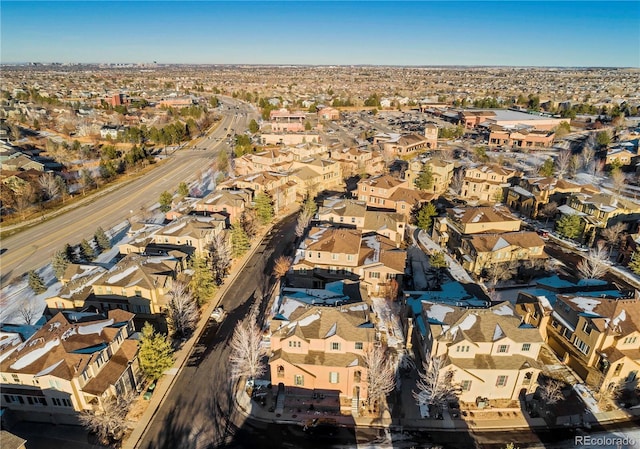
(198, 411)
(33, 248)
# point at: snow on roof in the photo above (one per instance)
(94, 328)
(503, 310)
(309, 319)
(171, 230)
(373, 243)
(544, 302)
(48, 369)
(620, 317)
(438, 312)
(586, 304)
(359, 307)
(215, 198)
(465, 325)
(332, 331)
(123, 274)
(498, 333)
(477, 217)
(34, 355)
(83, 270)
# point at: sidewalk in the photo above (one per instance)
(165, 383)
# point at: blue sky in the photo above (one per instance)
(537, 33)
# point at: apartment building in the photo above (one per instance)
(196, 232)
(282, 120)
(358, 161)
(530, 194)
(491, 354)
(332, 253)
(75, 362)
(599, 338)
(521, 138)
(269, 159)
(487, 183)
(231, 203)
(441, 171)
(318, 350)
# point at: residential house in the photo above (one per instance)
(530, 194)
(460, 222)
(22, 162)
(487, 183)
(110, 131)
(231, 203)
(329, 113)
(74, 363)
(441, 171)
(137, 283)
(269, 159)
(398, 145)
(358, 161)
(621, 155)
(281, 187)
(317, 174)
(318, 342)
(193, 231)
(599, 338)
(331, 253)
(491, 353)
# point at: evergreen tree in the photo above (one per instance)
(264, 208)
(239, 240)
(424, 181)
(437, 260)
(634, 264)
(253, 126)
(70, 252)
(202, 283)
(155, 355)
(59, 263)
(101, 239)
(86, 251)
(570, 226)
(425, 216)
(36, 283)
(547, 168)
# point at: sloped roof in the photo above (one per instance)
(495, 214)
(334, 240)
(484, 243)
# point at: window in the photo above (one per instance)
(298, 380)
(357, 376)
(526, 347)
(16, 378)
(527, 378)
(503, 349)
(616, 371)
(501, 381)
(319, 255)
(466, 385)
(295, 344)
(359, 345)
(334, 257)
(462, 348)
(353, 219)
(630, 340)
(341, 219)
(350, 257)
(280, 371)
(374, 274)
(585, 328)
(333, 377)
(138, 293)
(335, 346)
(582, 346)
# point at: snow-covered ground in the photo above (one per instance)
(388, 314)
(457, 272)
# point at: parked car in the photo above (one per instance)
(218, 314)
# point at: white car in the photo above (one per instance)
(218, 314)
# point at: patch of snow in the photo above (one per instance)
(173, 229)
(373, 243)
(465, 324)
(439, 312)
(586, 304)
(498, 333)
(332, 331)
(123, 274)
(49, 369)
(94, 328)
(621, 317)
(288, 306)
(503, 310)
(309, 319)
(585, 395)
(359, 307)
(34, 355)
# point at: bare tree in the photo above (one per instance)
(220, 256)
(182, 310)
(109, 422)
(49, 184)
(446, 153)
(381, 378)
(24, 198)
(303, 221)
(549, 210)
(612, 234)
(563, 162)
(576, 165)
(435, 386)
(247, 351)
(594, 265)
(501, 271)
(618, 179)
(29, 312)
(457, 182)
(282, 266)
(551, 392)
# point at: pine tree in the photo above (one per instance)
(59, 263)
(101, 239)
(264, 208)
(202, 283)
(425, 216)
(155, 355)
(239, 240)
(634, 264)
(424, 181)
(36, 283)
(70, 252)
(570, 226)
(86, 251)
